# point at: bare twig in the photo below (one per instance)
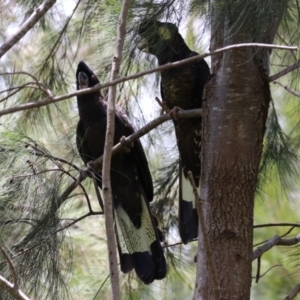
(14, 221)
(294, 293)
(178, 243)
(262, 275)
(275, 241)
(16, 89)
(287, 88)
(109, 139)
(38, 151)
(258, 269)
(40, 85)
(277, 225)
(163, 106)
(11, 267)
(206, 242)
(26, 26)
(193, 113)
(24, 251)
(283, 235)
(50, 100)
(98, 193)
(9, 287)
(12, 289)
(101, 286)
(285, 71)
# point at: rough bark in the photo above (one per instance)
(234, 117)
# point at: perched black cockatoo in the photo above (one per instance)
(137, 236)
(180, 87)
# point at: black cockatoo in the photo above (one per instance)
(137, 236)
(180, 87)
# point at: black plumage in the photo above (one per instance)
(180, 87)
(131, 181)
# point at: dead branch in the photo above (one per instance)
(294, 293)
(283, 235)
(50, 100)
(287, 88)
(193, 113)
(8, 286)
(275, 241)
(109, 139)
(12, 289)
(262, 275)
(285, 71)
(38, 13)
(258, 269)
(11, 267)
(277, 225)
(100, 201)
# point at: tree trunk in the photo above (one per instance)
(234, 118)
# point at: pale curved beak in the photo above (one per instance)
(142, 44)
(83, 80)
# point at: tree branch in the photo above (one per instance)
(294, 293)
(283, 235)
(193, 113)
(109, 140)
(12, 289)
(277, 225)
(285, 71)
(27, 25)
(275, 241)
(287, 88)
(262, 275)
(8, 286)
(50, 100)
(11, 267)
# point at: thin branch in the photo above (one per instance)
(276, 225)
(12, 289)
(283, 235)
(42, 86)
(275, 241)
(12, 269)
(101, 286)
(61, 34)
(193, 113)
(91, 213)
(9, 287)
(50, 100)
(109, 139)
(287, 88)
(178, 243)
(14, 221)
(262, 275)
(16, 89)
(206, 241)
(27, 25)
(285, 71)
(43, 153)
(294, 293)
(98, 193)
(258, 269)
(24, 251)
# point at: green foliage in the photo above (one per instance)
(32, 178)
(30, 187)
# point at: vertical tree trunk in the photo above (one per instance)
(234, 117)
